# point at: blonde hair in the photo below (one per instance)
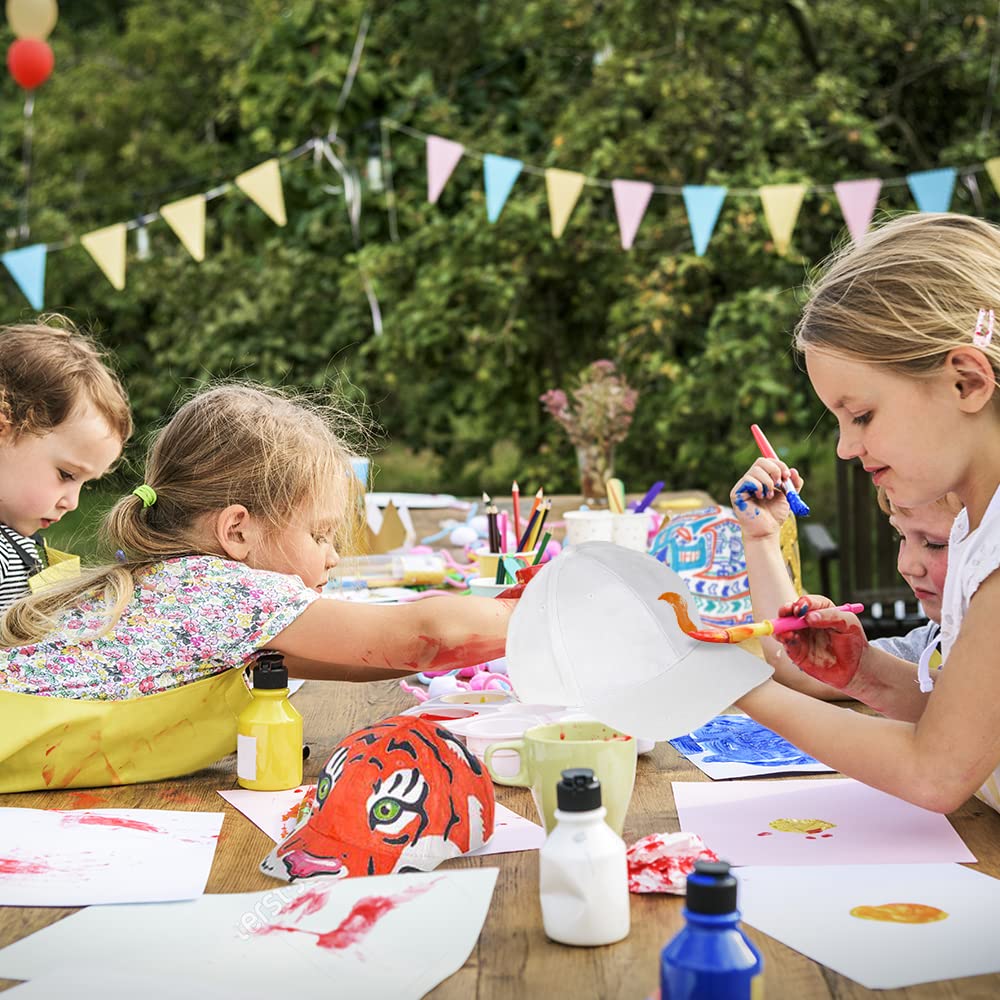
(908, 294)
(46, 369)
(232, 444)
(948, 502)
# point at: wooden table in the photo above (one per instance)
(513, 957)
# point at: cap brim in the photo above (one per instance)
(591, 631)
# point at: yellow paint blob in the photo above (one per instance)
(801, 825)
(900, 913)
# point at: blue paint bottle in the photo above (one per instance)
(711, 958)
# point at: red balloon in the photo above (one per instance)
(30, 61)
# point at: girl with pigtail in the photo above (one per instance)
(135, 671)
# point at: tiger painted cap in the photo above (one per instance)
(401, 795)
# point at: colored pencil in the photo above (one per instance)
(542, 548)
(501, 573)
(522, 543)
(515, 496)
(502, 529)
(538, 499)
(536, 534)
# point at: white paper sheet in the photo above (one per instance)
(275, 812)
(387, 936)
(822, 821)
(52, 857)
(735, 746)
(109, 984)
(809, 909)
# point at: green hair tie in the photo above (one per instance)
(146, 494)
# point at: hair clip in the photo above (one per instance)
(979, 338)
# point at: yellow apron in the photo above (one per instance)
(60, 566)
(70, 743)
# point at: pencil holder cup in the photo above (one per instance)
(483, 586)
(631, 530)
(588, 526)
(487, 561)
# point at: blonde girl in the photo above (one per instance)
(899, 345)
(135, 671)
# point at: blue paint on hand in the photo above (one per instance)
(750, 489)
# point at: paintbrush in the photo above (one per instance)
(757, 630)
(798, 505)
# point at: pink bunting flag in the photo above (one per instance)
(631, 199)
(442, 158)
(857, 202)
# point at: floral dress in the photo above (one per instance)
(190, 618)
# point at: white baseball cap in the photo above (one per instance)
(590, 630)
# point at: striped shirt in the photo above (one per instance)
(13, 573)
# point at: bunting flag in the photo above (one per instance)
(932, 189)
(781, 208)
(27, 268)
(442, 158)
(499, 174)
(631, 199)
(857, 204)
(262, 185)
(993, 169)
(187, 219)
(563, 188)
(107, 247)
(703, 203)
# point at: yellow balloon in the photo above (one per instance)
(32, 18)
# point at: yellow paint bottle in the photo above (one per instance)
(269, 731)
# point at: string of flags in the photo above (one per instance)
(932, 191)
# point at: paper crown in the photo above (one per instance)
(401, 795)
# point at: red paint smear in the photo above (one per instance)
(87, 800)
(466, 654)
(309, 902)
(764, 834)
(50, 749)
(14, 866)
(680, 609)
(89, 819)
(364, 915)
(48, 773)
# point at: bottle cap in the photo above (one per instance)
(579, 790)
(270, 672)
(711, 888)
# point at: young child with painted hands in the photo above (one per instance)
(136, 671)
(898, 343)
(922, 561)
(64, 418)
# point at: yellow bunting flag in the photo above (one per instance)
(781, 209)
(107, 247)
(262, 185)
(563, 187)
(187, 219)
(993, 169)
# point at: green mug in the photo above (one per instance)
(546, 751)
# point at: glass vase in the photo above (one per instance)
(597, 465)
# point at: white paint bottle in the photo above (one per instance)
(583, 874)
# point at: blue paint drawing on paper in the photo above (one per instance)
(736, 739)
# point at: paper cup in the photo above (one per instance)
(487, 561)
(630, 530)
(588, 526)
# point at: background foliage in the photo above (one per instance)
(151, 101)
